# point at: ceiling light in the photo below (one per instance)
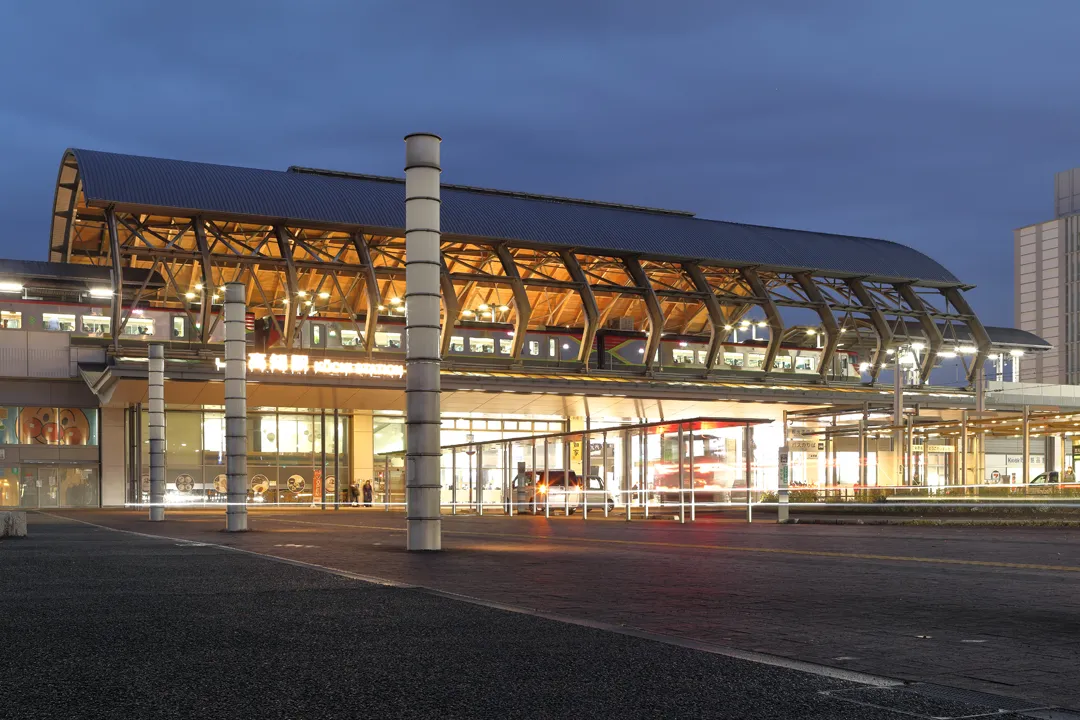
(968, 349)
(301, 293)
(400, 308)
(811, 331)
(917, 346)
(1016, 353)
(947, 354)
(503, 308)
(566, 346)
(94, 292)
(189, 295)
(324, 295)
(395, 301)
(467, 313)
(11, 287)
(843, 330)
(307, 302)
(762, 324)
(382, 307)
(728, 327)
(482, 306)
(890, 351)
(864, 367)
(198, 286)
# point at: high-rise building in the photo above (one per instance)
(1047, 282)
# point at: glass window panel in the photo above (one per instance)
(58, 322)
(10, 320)
(138, 327)
(464, 424)
(702, 356)
(352, 338)
(755, 361)
(505, 346)
(95, 325)
(178, 331)
(534, 347)
(316, 334)
(805, 363)
(551, 347)
(457, 344)
(482, 345)
(213, 432)
(782, 363)
(735, 360)
(183, 439)
(680, 356)
(388, 340)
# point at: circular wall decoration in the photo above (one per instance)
(145, 483)
(331, 483)
(221, 483)
(296, 483)
(260, 483)
(184, 483)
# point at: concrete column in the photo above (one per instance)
(361, 450)
(423, 265)
(156, 393)
(235, 408)
(1026, 424)
(963, 449)
(113, 477)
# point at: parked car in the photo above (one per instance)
(559, 491)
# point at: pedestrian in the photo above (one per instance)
(367, 493)
(354, 494)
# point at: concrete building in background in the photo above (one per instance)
(1045, 276)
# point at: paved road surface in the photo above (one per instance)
(988, 609)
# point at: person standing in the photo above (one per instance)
(354, 494)
(367, 493)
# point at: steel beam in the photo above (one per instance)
(930, 329)
(772, 315)
(716, 314)
(982, 338)
(652, 307)
(588, 305)
(285, 247)
(452, 307)
(371, 288)
(881, 326)
(117, 273)
(522, 307)
(828, 320)
(207, 281)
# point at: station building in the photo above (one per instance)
(559, 316)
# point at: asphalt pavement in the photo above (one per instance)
(101, 624)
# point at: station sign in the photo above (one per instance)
(293, 364)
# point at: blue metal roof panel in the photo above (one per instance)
(379, 203)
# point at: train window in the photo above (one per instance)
(804, 363)
(782, 363)
(551, 348)
(755, 361)
(317, 335)
(179, 332)
(702, 356)
(505, 346)
(534, 347)
(386, 340)
(680, 356)
(10, 320)
(457, 344)
(95, 325)
(351, 338)
(55, 321)
(734, 360)
(482, 345)
(136, 327)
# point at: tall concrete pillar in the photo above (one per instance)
(235, 408)
(156, 391)
(422, 333)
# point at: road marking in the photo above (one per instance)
(721, 548)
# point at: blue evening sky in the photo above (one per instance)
(936, 123)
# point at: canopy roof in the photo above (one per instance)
(376, 204)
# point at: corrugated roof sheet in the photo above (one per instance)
(378, 203)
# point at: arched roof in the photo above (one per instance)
(376, 204)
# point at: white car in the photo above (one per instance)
(535, 492)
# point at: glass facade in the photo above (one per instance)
(285, 456)
(49, 486)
